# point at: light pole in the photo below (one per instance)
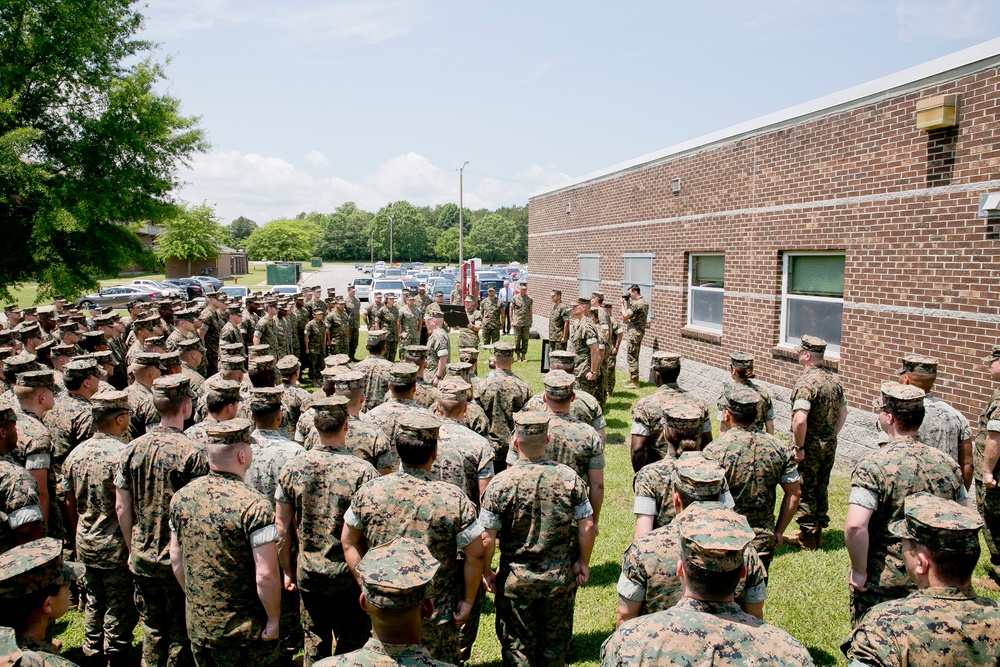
(390, 239)
(371, 244)
(461, 231)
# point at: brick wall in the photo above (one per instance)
(921, 267)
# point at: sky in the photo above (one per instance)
(312, 103)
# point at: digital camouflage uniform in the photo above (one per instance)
(520, 322)
(211, 324)
(424, 394)
(765, 409)
(153, 468)
(534, 506)
(432, 512)
(756, 464)
(572, 443)
(34, 452)
(557, 320)
(376, 370)
(142, 414)
(371, 312)
(292, 401)
(438, 345)
(819, 392)
(69, 423)
(271, 450)
(388, 321)
(230, 334)
(653, 488)
(469, 337)
(584, 407)
(491, 309)
(319, 485)
(386, 416)
(219, 519)
(944, 427)
(608, 372)
(353, 312)
(111, 616)
(18, 502)
(464, 457)
(881, 482)
(648, 413)
(316, 332)
(267, 331)
(582, 334)
(23, 656)
(336, 324)
(503, 395)
(380, 654)
(286, 337)
(987, 500)
(409, 324)
(635, 330)
(364, 440)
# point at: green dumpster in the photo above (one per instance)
(317, 262)
(278, 274)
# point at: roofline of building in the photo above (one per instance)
(975, 58)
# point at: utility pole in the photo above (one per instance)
(390, 239)
(371, 244)
(461, 230)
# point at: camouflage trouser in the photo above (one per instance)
(634, 339)
(316, 365)
(160, 601)
(470, 629)
(490, 334)
(586, 385)
(111, 615)
(246, 654)
(535, 632)
(333, 620)
(352, 342)
(988, 504)
(555, 344)
(442, 641)
(813, 513)
(290, 628)
(861, 602)
(391, 347)
(609, 373)
(521, 339)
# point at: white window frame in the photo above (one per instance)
(831, 349)
(693, 288)
(587, 284)
(645, 287)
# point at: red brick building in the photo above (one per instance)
(838, 217)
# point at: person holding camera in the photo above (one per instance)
(635, 312)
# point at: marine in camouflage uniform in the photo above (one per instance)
(231, 332)
(469, 336)
(388, 321)
(69, 421)
(503, 395)
(492, 310)
(941, 624)
(558, 323)
(211, 324)
(756, 463)
(286, 332)
(271, 449)
(879, 485)
(635, 313)
(142, 412)
(153, 468)
(387, 415)
(539, 510)
(475, 417)
(438, 345)
(34, 449)
(376, 370)
(520, 320)
(219, 519)
(582, 334)
(371, 312)
(713, 540)
(313, 493)
(648, 582)
(430, 511)
(353, 309)
(409, 323)
(988, 497)
(21, 514)
(615, 334)
(424, 393)
(818, 398)
(266, 329)
(741, 364)
(336, 324)
(88, 485)
(315, 335)
(584, 406)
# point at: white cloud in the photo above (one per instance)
(317, 159)
(264, 188)
(953, 19)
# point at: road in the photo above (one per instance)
(332, 275)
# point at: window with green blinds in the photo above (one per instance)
(707, 269)
(816, 275)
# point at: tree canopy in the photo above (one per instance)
(240, 229)
(284, 240)
(89, 149)
(193, 233)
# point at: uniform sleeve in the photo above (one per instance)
(38, 451)
(21, 500)
(471, 528)
(869, 646)
(993, 416)
(645, 496)
(385, 453)
(640, 422)
(791, 472)
(802, 398)
(597, 452)
(284, 490)
(486, 457)
(632, 583)
(197, 463)
(965, 428)
(489, 515)
(258, 522)
(755, 584)
(581, 499)
(123, 475)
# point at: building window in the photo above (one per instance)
(638, 270)
(812, 298)
(705, 289)
(589, 276)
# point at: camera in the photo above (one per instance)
(625, 297)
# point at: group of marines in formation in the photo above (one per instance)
(173, 475)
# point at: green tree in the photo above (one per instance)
(240, 229)
(409, 236)
(345, 233)
(446, 248)
(193, 233)
(284, 240)
(493, 238)
(89, 146)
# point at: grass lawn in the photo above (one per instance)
(807, 595)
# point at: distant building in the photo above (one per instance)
(852, 217)
(229, 262)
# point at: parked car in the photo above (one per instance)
(395, 272)
(363, 288)
(367, 268)
(485, 284)
(117, 296)
(411, 285)
(208, 284)
(286, 289)
(442, 285)
(166, 291)
(389, 286)
(192, 289)
(240, 292)
(358, 266)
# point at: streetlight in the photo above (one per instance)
(390, 239)
(461, 175)
(371, 244)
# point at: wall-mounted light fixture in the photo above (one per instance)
(569, 208)
(935, 113)
(675, 186)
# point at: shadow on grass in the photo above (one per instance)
(605, 574)
(821, 657)
(586, 647)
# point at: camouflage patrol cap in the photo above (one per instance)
(30, 331)
(418, 426)
(21, 363)
(264, 363)
(683, 415)
(222, 390)
(63, 350)
(187, 315)
(896, 396)
(559, 385)
(491, 288)
(46, 312)
(583, 301)
(713, 537)
(340, 299)
(333, 371)
(438, 293)
(698, 477)
(37, 379)
(6, 352)
(330, 291)
(376, 336)
(146, 322)
(154, 341)
(266, 397)
(562, 357)
(530, 423)
(993, 355)
(453, 389)
(172, 386)
(378, 294)
(468, 354)
(939, 524)
(11, 308)
(403, 373)
(334, 406)
(105, 320)
(288, 364)
(7, 414)
(349, 381)
(258, 350)
(146, 359)
(189, 344)
(109, 400)
(914, 363)
(741, 360)
(34, 566)
(317, 312)
(813, 344)
(170, 359)
(469, 298)
(594, 295)
(82, 367)
(231, 432)
(415, 352)
(557, 292)
(740, 399)
(336, 360)
(30, 310)
(232, 362)
(103, 357)
(396, 575)
(503, 349)
(666, 359)
(594, 309)
(65, 327)
(433, 312)
(234, 309)
(459, 369)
